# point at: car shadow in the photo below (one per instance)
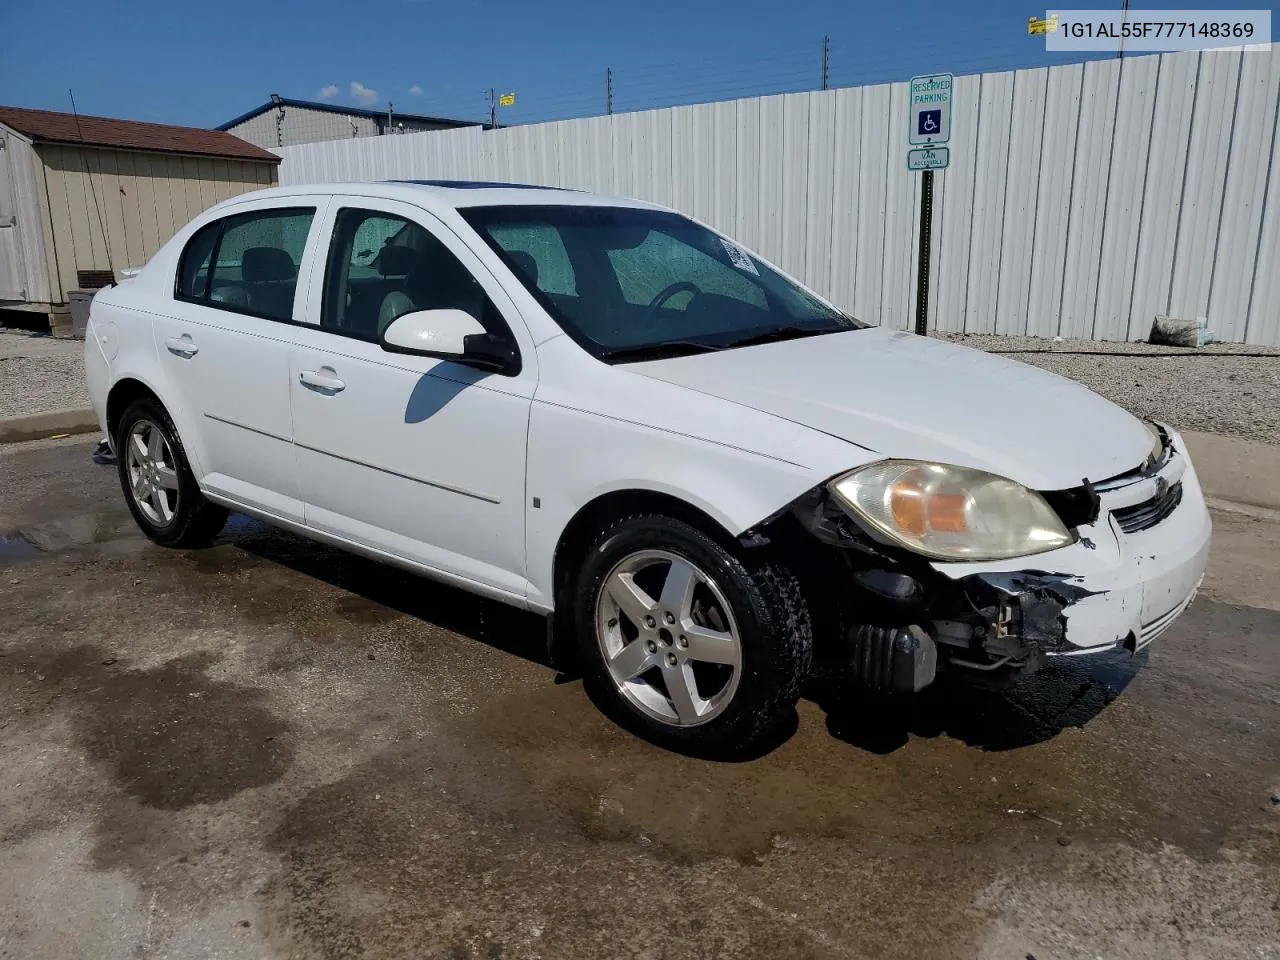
(499, 625)
(1068, 692)
(432, 393)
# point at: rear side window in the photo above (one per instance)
(250, 265)
(193, 271)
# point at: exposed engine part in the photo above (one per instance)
(897, 587)
(897, 659)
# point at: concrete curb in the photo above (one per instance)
(39, 426)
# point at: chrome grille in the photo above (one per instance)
(1144, 516)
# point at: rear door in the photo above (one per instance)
(420, 458)
(225, 348)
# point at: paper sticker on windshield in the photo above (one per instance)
(739, 257)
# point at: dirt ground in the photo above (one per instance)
(273, 750)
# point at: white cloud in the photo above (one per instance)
(416, 90)
(328, 92)
(361, 94)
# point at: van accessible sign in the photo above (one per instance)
(930, 109)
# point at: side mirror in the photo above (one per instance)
(450, 335)
(431, 333)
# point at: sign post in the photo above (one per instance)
(929, 127)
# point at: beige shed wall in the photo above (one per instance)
(144, 198)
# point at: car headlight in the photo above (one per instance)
(951, 513)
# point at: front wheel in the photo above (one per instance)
(157, 480)
(685, 643)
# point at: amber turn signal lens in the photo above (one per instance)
(906, 501)
(947, 513)
(917, 512)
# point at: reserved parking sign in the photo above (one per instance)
(930, 120)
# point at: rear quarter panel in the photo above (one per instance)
(126, 315)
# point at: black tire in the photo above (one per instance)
(195, 520)
(775, 636)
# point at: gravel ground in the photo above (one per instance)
(1228, 388)
(39, 374)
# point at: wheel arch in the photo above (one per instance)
(582, 529)
(123, 392)
(130, 385)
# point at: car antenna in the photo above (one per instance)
(84, 158)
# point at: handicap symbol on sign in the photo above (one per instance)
(930, 122)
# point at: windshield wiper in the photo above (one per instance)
(779, 334)
(659, 351)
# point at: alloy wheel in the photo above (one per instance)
(153, 473)
(668, 638)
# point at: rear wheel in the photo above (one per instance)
(157, 480)
(683, 642)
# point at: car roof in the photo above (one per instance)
(440, 195)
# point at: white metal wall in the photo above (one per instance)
(24, 271)
(1081, 200)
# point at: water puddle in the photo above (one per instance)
(15, 548)
(31, 542)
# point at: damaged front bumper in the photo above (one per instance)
(1134, 567)
(1115, 587)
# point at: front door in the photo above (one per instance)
(418, 458)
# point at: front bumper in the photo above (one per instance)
(1135, 566)
(1111, 588)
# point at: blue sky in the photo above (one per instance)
(200, 64)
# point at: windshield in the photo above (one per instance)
(631, 284)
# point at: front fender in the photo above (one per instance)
(577, 456)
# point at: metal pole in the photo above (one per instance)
(826, 61)
(922, 269)
(1124, 7)
(493, 109)
(608, 89)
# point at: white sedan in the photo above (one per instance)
(705, 476)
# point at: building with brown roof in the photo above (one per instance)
(80, 199)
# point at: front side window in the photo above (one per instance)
(247, 263)
(382, 266)
(630, 283)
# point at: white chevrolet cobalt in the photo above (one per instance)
(709, 479)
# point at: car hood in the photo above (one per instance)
(910, 397)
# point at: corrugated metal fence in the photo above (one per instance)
(1081, 200)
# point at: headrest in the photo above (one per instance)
(397, 261)
(258, 264)
(525, 264)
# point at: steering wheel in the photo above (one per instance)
(667, 292)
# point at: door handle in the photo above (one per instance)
(321, 382)
(182, 346)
